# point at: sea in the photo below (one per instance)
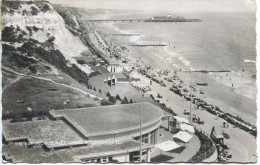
(223, 41)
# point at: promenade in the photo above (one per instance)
(242, 144)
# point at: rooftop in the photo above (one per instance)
(95, 121)
(48, 131)
(38, 155)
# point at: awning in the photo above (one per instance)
(183, 136)
(186, 127)
(180, 119)
(167, 145)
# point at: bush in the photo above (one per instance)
(105, 102)
(46, 8)
(34, 10)
(12, 12)
(124, 102)
(96, 99)
(51, 39)
(24, 13)
(112, 99)
(8, 34)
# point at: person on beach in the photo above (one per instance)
(224, 124)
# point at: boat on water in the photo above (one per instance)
(168, 18)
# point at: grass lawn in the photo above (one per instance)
(7, 77)
(42, 96)
(122, 89)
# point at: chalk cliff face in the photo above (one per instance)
(34, 34)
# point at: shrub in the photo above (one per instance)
(51, 39)
(24, 12)
(131, 101)
(112, 99)
(105, 102)
(34, 10)
(124, 102)
(12, 12)
(96, 99)
(46, 8)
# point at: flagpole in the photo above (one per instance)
(141, 135)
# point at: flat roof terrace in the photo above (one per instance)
(103, 120)
(23, 154)
(52, 133)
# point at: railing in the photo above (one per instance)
(199, 157)
(203, 156)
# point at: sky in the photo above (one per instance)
(169, 5)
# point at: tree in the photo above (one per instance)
(118, 97)
(108, 94)
(131, 101)
(94, 89)
(125, 99)
(99, 91)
